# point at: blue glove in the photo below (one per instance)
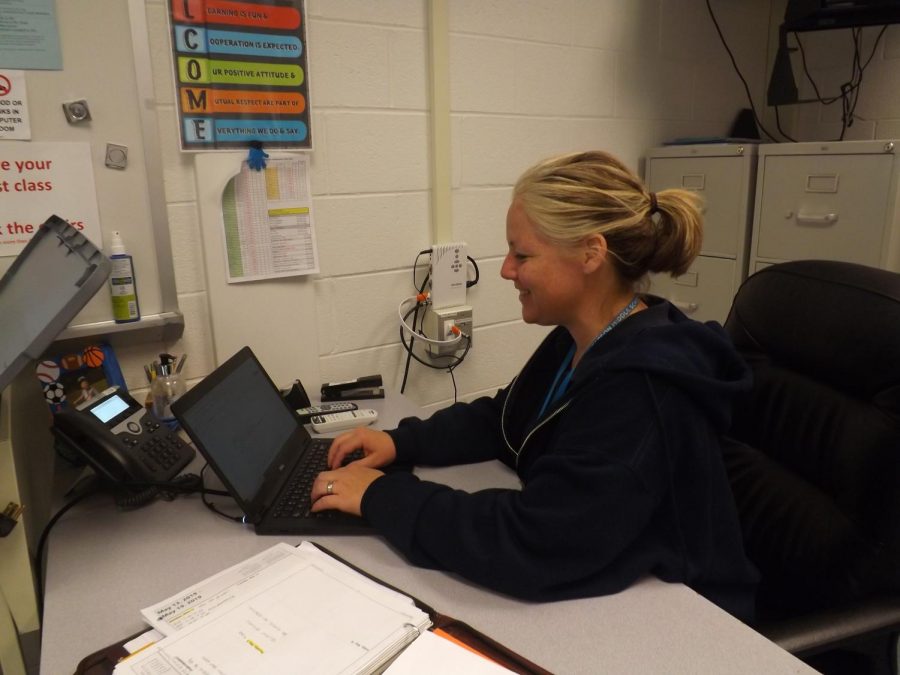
(256, 160)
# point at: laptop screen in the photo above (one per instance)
(237, 418)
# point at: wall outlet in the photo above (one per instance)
(438, 323)
(449, 272)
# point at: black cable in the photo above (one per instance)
(42, 540)
(860, 69)
(415, 267)
(738, 71)
(852, 87)
(849, 94)
(453, 380)
(809, 75)
(819, 97)
(450, 369)
(474, 281)
(149, 490)
(778, 124)
(140, 493)
(420, 289)
(208, 504)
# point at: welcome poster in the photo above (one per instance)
(241, 73)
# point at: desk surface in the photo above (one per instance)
(105, 565)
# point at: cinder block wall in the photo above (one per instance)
(529, 78)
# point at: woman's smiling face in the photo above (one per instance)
(550, 278)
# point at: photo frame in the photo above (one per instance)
(77, 377)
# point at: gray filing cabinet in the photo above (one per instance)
(827, 200)
(724, 174)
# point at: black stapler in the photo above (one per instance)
(367, 386)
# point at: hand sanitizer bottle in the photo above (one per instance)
(122, 283)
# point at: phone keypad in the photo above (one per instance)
(160, 450)
(163, 450)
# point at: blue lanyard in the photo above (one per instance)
(565, 372)
(558, 388)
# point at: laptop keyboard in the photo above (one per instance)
(294, 500)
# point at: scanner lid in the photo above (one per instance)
(54, 276)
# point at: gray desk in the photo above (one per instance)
(104, 566)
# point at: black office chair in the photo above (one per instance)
(814, 459)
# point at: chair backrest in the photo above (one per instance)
(815, 457)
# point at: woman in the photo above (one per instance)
(613, 425)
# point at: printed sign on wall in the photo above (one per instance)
(38, 180)
(241, 73)
(14, 121)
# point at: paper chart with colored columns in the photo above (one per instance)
(267, 217)
(241, 73)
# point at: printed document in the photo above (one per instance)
(267, 216)
(286, 610)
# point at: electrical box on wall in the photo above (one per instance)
(440, 323)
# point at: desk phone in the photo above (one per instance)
(122, 441)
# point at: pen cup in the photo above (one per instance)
(165, 390)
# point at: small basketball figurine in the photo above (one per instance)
(93, 356)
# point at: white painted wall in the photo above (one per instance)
(529, 78)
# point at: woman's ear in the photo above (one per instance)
(595, 250)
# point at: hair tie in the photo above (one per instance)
(654, 207)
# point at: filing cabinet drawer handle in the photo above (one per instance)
(686, 307)
(824, 219)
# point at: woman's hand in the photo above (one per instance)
(377, 446)
(343, 489)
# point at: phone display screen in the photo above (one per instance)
(113, 408)
(106, 410)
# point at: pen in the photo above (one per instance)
(166, 363)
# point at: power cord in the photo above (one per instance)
(420, 289)
(852, 86)
(472, 282)
(849, 95)
(759, 123)
(42, 540)
(148, 491)
(186, 483)
(212, 507)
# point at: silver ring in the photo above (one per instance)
(329, 488)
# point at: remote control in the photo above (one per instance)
(343, 420)
(325, 409)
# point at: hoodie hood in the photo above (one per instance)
(697, 358)
(667, 347)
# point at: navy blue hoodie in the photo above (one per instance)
(621, 477)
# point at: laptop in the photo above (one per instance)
(260, 450)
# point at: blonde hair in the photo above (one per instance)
(572, 196)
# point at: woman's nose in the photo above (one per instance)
(507, 269)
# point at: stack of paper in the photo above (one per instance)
(286, 610)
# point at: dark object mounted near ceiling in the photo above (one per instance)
(810, 15)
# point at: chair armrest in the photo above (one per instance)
(812, 633)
